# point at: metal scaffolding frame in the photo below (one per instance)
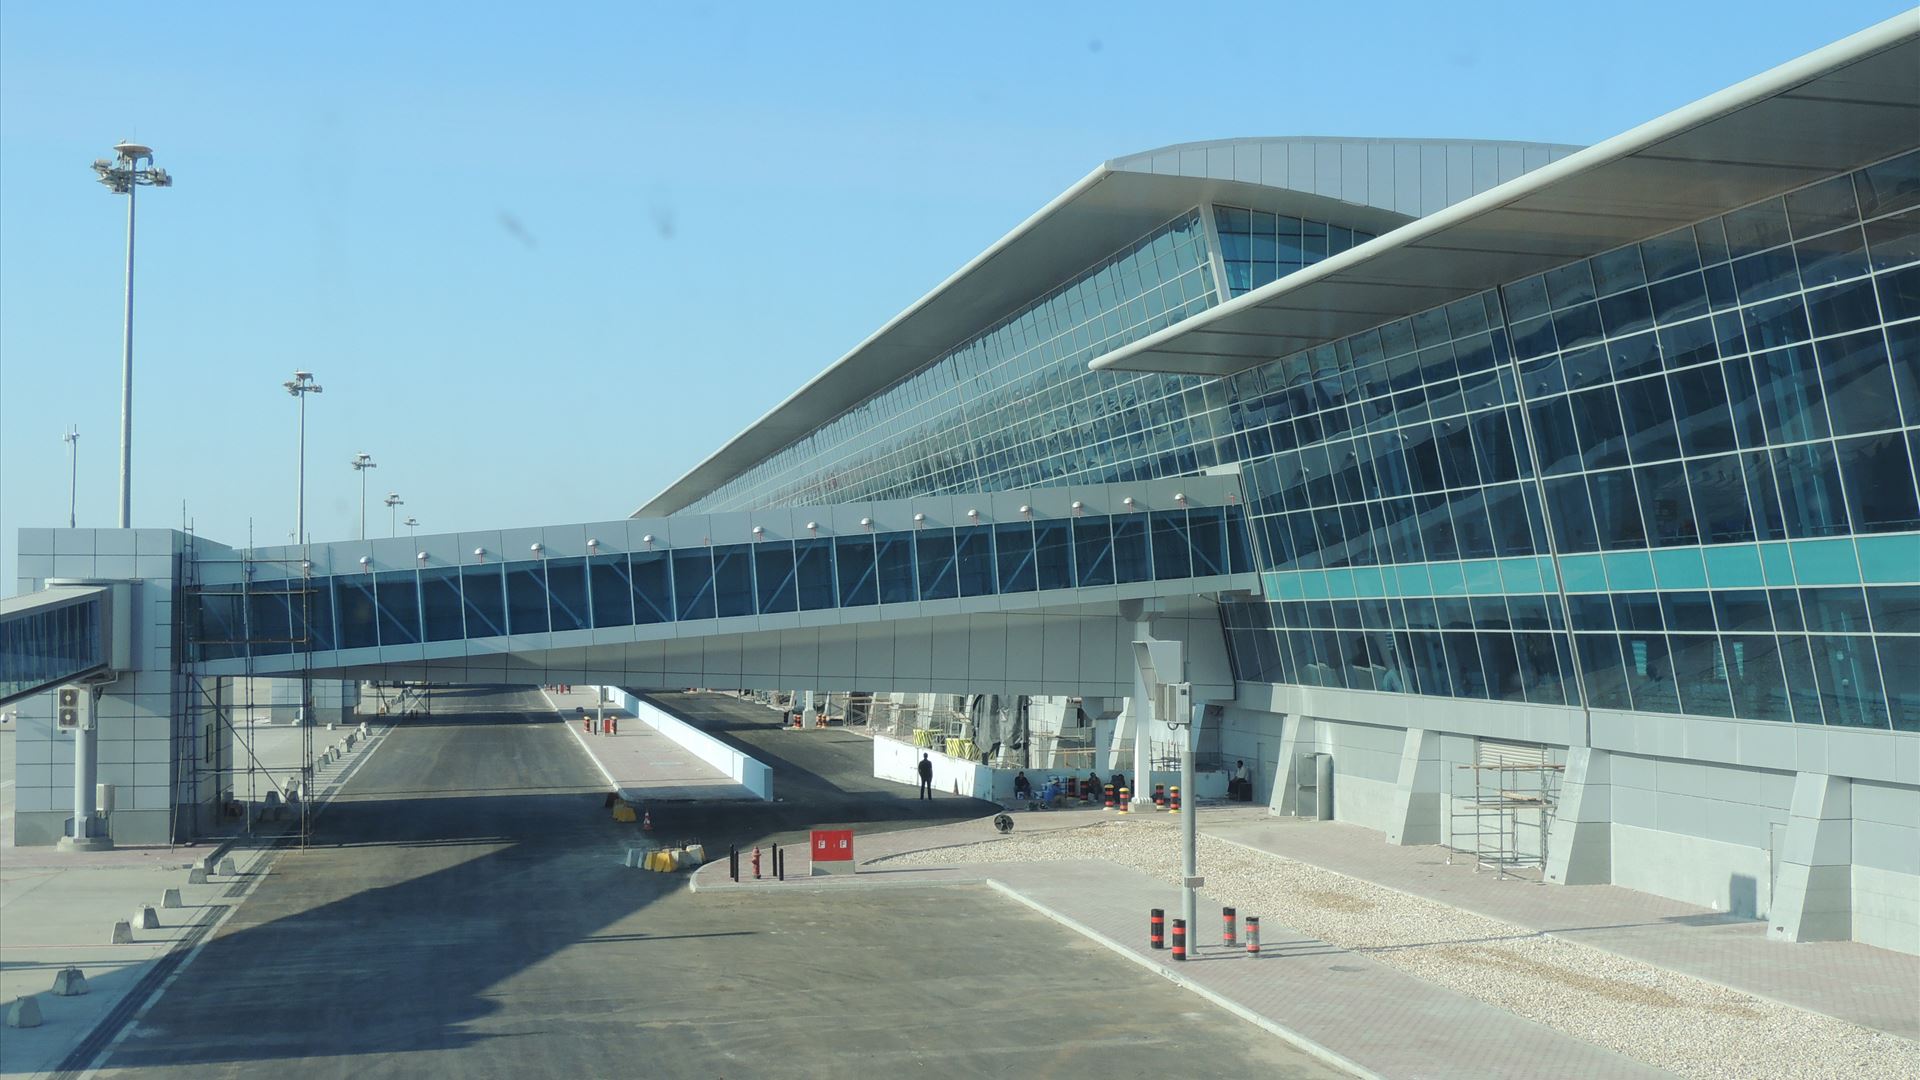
(1499, 814)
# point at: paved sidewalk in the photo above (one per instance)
(642, 764)
(1320, 997)
(57, 910)
(1872, 987)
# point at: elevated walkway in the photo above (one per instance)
(1034, 591)
(53, 636)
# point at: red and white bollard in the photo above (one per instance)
(1179, 939)
(1253, 935)
(1228, 923)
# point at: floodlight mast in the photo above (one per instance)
(123, 175)
(361, 462)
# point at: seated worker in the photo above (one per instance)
(1022, 787)
(1094, 784)
(1242, 782)
(1119, 781)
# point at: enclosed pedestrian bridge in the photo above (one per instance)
(60, 634)
(1039, 591)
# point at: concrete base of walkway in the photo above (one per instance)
(640, 763)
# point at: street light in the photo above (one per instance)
(123, 175)
(72, 439)
(300, 386)
(393, 499)
(363, 461)
(412, 524)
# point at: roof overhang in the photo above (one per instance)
(1848, 104)
(1106, 210)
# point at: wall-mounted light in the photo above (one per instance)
(1180, 497)
(1078, 506)
(972, 514)
(866, 523)
(306, 567)
(366, 562)
(813, 526)
(480, 554)
(1127, 502)
(1026, 510)
(420, 555)
(648, 540)
(593, 545)
(759, 531)
(919, 518)
(537, 547)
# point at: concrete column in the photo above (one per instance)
(1813, 886)
(1280, 799)
(1580, 844)
(1416, 794)
(1141, 708)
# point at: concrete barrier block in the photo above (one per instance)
(122, 933)
(24, 1012)
(635, 857)
(171, 899)
(197, 876)
(69, 982)
(228, 868)
(145, 918)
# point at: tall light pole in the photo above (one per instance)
(300, 386)
(412, 525)
(72, 439)
(393, 499)
(363, 461)
(123, 175)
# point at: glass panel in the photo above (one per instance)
(1810, 490)
(1649, 672)
(933, 549)
(612, 590)
(1699, 673)
(652, 587)
(318, 611)
(773, 577)
(567, 591)
(1053, 555)
(974, 559)
(1093, 550)
(1013, 550)
(1172, 552)
(1849, 676)
(353, 600)
(1879, 483)
(1602, 671)
(1206, 529)
(483, 592)
(1130, 561)
(732, 580)
(1239, 552)
(693, 583)
(399, 592)
(440, 604)
(894, 562)
(527, 598)
(1754, 678)
(813, 573)
(853, 557)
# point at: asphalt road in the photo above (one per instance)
(463, 913)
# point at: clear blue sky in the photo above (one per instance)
(545, 262)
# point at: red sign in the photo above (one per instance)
(833, 845)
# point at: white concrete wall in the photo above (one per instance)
(1886, 866)
(747, 771)
(900, 762)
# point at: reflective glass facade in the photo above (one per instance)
(771, 577)
(1015, 406)
(1257, 247)
(46, 645)
(1676, 477)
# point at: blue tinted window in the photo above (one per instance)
(1013, 546)
(483, 589)
(973, 559)
(1849, 676)
(1172, 553)
(893, 562)
(1130, 560)
(813, 573)
(1754, 677)
(612, 590)
(854, 561)
(567, 590)
(652, 587)
(527, 598)
(1879, 483)
(399, 592)
(270, 625)
(733, 583)
(440, 605)
(937, 578)
(773, 582)
(1093, 550)
(1810, 498)
(693, 583)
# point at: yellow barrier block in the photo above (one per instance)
(624, 813)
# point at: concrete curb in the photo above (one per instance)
(1266, 1023)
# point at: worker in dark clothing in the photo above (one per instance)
(926, 777)
(1119, 782)
(1022, 787)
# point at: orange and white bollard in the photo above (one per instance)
(1253, 935)
(1109, 793)
(646, 821)
(1125, 794)
(1174, 800)
(1159, 796)
(1229, 927)
(1179, 939)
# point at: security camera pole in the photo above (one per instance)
(123, 176)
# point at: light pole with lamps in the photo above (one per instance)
(72, 439)
(122, 175)
(393, 499)
(363, 461)
(300, 386)
(412, 524)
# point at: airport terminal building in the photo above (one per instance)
(1606, 455)
(1445, 460)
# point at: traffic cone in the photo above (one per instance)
(646, 821)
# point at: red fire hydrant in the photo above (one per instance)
(613, 725)
(756, 862)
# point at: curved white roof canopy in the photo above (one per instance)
(1372, 184)
(1849, 104)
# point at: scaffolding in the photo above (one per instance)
(1499, 814)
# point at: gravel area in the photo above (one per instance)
(1681, 1024)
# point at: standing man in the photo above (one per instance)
(926, 777)
(1242, 782)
